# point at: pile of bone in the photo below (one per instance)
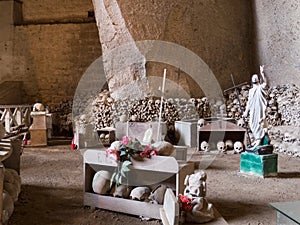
(222, 147)
(101, 185)
(286, 140)
(62, 116)
(147, 110)
(102, 110)
(235, 101)
(11, 191)
(286, 99)
(107, 111)
(283, 106)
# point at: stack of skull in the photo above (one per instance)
(106, 111)
(286, 140)
(153, 194)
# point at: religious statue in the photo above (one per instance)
(194, 205)
(256, 108)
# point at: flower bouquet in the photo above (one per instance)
(122, 152)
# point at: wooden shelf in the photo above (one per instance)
(154, 171)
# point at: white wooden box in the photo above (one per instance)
(188, 132)
(158, 169)
(138, 129)
(180, 152)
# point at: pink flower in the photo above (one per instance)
(125, 140)
(113, 154)
(153, 152)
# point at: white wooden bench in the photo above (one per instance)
(157, 170)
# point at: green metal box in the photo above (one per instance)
(260, 165)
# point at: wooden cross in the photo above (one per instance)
(234, 86)
(178, 72)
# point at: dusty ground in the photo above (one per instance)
(52, 182)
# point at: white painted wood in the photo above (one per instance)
(155, 163)
(14, 115)
(180, 152)
(188, 132)
(185, 168)
(122, 205)
(151, 171)
(170, 212)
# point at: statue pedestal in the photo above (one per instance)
(259, 165)
(38, 129)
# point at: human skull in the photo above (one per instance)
(243, 100)
(230, 114)
(200, 123)
(288, 137)
(122, 191)
(107, 138)
(238, 147)
(237, 115)
(204, 100)
(157, 103)
(140, 193)
(244, 87)
(241, 123)
(102, 137)
(221, 147)
(157, 195)
(246, 93)
(192, 101)
(232, 96)
(38, 107)
(204, 146)
(229, 144)
(150, 101)
(235, 101)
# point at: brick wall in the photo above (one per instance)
(52, 49)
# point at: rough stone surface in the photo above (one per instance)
(60, 40)
(50, 59)
(124, 65)
(217, 31)
(52, 184)
(277, 39)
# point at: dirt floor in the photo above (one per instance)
(52, 184)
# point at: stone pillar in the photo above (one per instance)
(278, 39)
(124, 65)
(38, 129)
(10, 14)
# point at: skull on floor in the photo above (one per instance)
(229, 144)
(221, 147)
(204, 146)
(238, 147)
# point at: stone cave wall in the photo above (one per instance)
(219, 32)
(277, 43)
(53, 46)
